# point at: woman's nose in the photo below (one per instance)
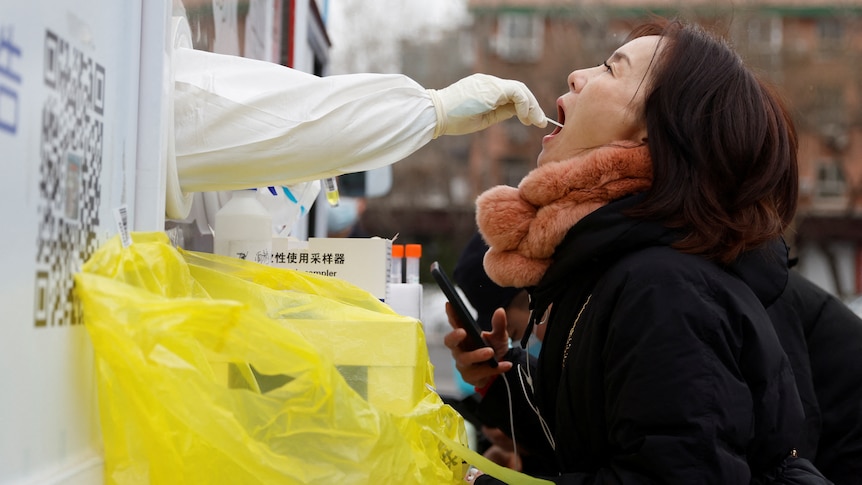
(578, 79)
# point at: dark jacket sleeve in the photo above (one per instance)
(695, 392)
(695, 387)
(684, 387)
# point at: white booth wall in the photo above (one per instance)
(69, 76)
(83, 88)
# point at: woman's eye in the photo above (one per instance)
(607, 67)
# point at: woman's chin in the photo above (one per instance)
(546, 158)
(541, 159)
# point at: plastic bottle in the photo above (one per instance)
(396, 270)
(243, 228)
(412, 253)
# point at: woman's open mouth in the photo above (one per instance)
(558, 125)
(561, 117)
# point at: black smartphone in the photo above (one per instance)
(474, 338)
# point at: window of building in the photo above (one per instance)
(764, 34)
(519, 37)
(831, 183)
(830, 33)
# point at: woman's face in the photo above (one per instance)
(604, 103)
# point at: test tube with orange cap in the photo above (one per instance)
(412, 253)
(395, 271)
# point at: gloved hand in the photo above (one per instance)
(480, 100)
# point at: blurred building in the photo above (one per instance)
(811, 49)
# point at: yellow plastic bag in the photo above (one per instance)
(217, 370)
(165, 335)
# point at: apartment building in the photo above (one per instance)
(811, 50)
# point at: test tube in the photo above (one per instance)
(331, 188)
(396, 269)
(412, 253)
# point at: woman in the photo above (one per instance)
(649, 236)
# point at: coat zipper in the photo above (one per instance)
(572, 330)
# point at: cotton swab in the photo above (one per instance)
(553, 122)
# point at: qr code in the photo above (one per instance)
(69, 176)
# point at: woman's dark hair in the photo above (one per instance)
(722, 143)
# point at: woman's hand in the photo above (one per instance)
(471, 364)
(502, 449)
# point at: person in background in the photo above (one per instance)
(823, 339)
(345, 219)
(649, 237)
(484, 295)
(513, 304)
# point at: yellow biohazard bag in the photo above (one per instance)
(216, 370)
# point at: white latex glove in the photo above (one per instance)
(480, 100)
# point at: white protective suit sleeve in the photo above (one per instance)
(243, 123)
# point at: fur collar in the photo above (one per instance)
(524, 225)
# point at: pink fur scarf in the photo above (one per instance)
(523, 226)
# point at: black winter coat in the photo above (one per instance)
(662, 367)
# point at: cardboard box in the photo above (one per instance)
(380, 360)
(383, 361)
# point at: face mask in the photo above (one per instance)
(342, 216)
(534, 345)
